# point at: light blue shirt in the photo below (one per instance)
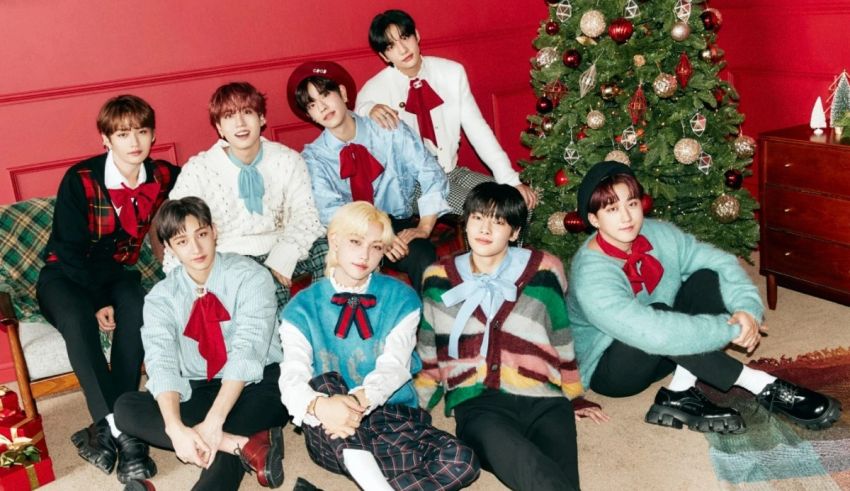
(246, 290)
(405, 159)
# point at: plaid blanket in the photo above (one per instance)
(775, 454)
(24, 229)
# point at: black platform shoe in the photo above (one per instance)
(692, 408)
(134, 463)
(95, 445)
(802, 406)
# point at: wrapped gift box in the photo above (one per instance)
(8, 403)
(28, 476)
(18, 426)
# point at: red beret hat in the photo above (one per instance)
(326, 69)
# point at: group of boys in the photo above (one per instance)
(246, 217)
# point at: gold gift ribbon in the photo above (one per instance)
(3, 390)
(32, 476)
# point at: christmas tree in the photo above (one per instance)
(638, 82)
(840, 100)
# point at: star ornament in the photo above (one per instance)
(563, 11)
(629, 138)
(632, 10)
(704, 163)
(698, 124)
(571, 154)
(683, 10)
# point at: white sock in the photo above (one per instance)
(110, 418)
(682, 380)
(754, 380)
(364, 469)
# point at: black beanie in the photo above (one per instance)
(598, 173)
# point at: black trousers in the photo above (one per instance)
(421, 254)
(258, 408)
(529, 443)
(70, 309)
(625, 371)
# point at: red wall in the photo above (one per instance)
(61, 61)
(782, 55)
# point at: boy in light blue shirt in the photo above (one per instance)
(354, 159)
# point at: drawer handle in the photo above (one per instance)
(787, 254)
(788, 164)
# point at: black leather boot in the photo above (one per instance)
(692, 408)
(802, 406)
(96, 446)
(134, 463)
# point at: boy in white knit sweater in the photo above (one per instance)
(258, 191)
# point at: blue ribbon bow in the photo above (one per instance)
(251, 184)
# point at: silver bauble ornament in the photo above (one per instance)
(592, 23)
(665, 85)
(687, 150)
(745, 147)
(547, 56)
(726, 208)
(595, 119)
(546, 124)
(680, 31)
(618, 156)
(555, 223)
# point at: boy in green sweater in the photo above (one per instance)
(647, 299)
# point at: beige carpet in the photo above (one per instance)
(623, 454)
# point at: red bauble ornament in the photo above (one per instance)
(733, 178)
(544, 105)
(719, 94)
(554, 91)
(581, 134)
(561, 178)
(572, 58)
(552, 28)
(684, 70)
(620, 30)
(646, 202)
(711, 19)
(573, 223)
(637, 106)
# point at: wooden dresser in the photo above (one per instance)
(804, 189)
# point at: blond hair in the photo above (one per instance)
(355, 218)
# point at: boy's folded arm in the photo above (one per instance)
(392, 367)
(296, 370)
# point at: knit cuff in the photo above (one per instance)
(282, 258)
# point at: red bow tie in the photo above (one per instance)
(354, 307)
(142, 198)
(204, 326)
(357, 163)
(421, 98)
(650, 271)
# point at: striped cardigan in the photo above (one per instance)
(531, 348)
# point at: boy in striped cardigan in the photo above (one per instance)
(494, 338)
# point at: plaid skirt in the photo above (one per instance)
(412, 454)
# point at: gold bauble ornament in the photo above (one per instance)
(555, 223)
(595, 119)
(726, 208)
(618, 156)
(547, 124)
(609, 91)
(745, 147)
(592, 23)
(687, 150)
(639, 60)
(680, 31)
(665, 85)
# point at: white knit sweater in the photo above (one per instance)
(289, 223)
